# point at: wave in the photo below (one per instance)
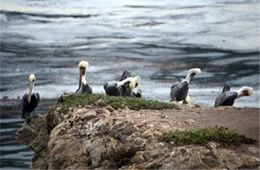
(143, 6)
(18, 13)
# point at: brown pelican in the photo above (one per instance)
(83, 85)
(30, 101)
(179, 90)
(126, 86)
(227, 97)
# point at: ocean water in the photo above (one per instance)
(13, 153)
(157, 40)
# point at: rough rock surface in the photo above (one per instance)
(34, 134)
(89, 137)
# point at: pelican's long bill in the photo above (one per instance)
(31, 80)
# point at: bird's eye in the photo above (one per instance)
(136, 84)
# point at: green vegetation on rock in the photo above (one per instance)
(203, 136)
(74, 100)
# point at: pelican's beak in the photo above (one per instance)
(240, 95)
(80, 77)
(247, 92)
(83, 70)
(32, 78)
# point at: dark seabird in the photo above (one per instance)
(179, 90)
(227, 97)
(126, 86)
(30, 101)
(83, 85)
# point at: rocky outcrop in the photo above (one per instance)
(93, 137)
(34, 134)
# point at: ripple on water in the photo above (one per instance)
(13, 153)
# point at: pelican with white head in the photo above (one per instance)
(83, 65)
(191, 74)
(83, 85)
(227, 97)
(126, 87)
(179, 90)
(30, 100)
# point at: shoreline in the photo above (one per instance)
(12, 104)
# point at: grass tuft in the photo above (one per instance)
(74, 100)
(203, 136)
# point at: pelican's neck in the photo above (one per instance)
(188, 77)
(30, 91)
(240, 91)
(121, 83)
(83, 79)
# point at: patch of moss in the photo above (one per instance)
(203, 136)
(64, 103)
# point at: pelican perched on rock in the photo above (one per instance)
(83, 85)
(30, 100)
(179, 90)
(227, 97)
(126, 86)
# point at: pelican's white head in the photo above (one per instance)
(134, 81)
(244, 91)
(32, 78)
(194, 71)
(83, 64)
(191, 73)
